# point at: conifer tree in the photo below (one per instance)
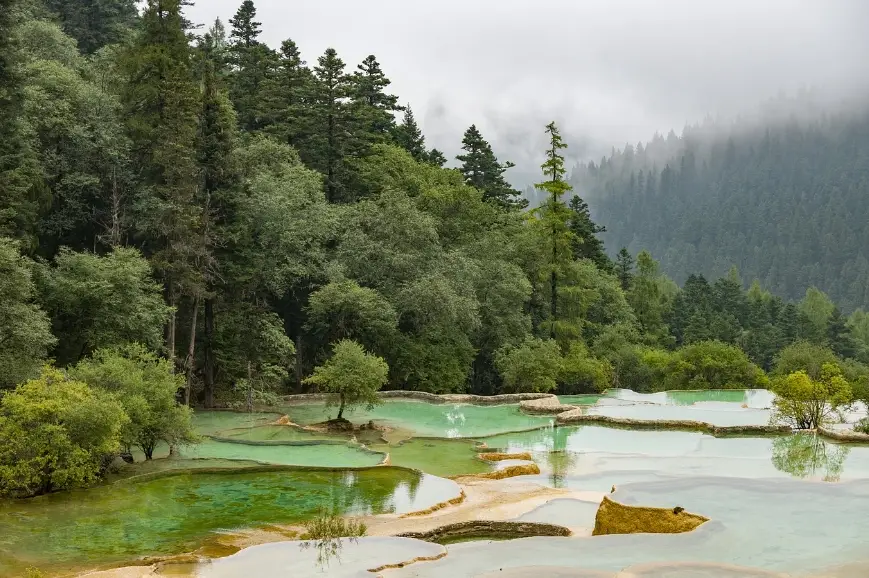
(482, 171)
(408, 136)
(333, 137)
(251, 62)
(95, 23)
(586, 244)
(162, 103)
(554, 220)
(19, 199)
(373, 107)
(436, 158)
(624, 268)
(839, 337)
(286, 96)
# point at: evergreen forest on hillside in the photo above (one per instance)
(228, 223)
(783, 198)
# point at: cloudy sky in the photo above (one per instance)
(608, 71)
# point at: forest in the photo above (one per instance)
(189, 217)
(783, 197)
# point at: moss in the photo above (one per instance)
(615, 518)
(498, 457)
(485, 529)
(511, 472)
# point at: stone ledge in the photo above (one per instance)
(507, 398)
(844, 436)
(545, 406)
(576, 417)
(487, 529)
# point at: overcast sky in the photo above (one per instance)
(608, 71)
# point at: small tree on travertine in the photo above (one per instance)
(352, 376)
(806, 403)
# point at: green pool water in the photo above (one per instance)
(579, 399)
(177, 514)
(328, 455)
(436, 456)
(428, 419)
(277, 434)
(212, 422)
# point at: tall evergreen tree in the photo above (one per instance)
(408, 136)
(482, 171)
(252, 62)
(586, 243)
(19, 180)
(95, 23)
(286, 97)
(162, 103)
(839, 337)
(624, 268)
(373, 107)
(333, 138)
(436, 158)
(554, 219)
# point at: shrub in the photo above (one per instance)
(56, 434)
(531, 367)
(806, 403)
(351, 375)
(712, 365)
(146, 387)
(582, 373)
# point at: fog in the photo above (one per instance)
(608, 72)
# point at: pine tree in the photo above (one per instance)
(19, 190)
(252, 62)
(624, 268)
(554, 218)
(482, 171)
(95, 23)
(586, 244)
(373, 107)
(162, 103)
(333, 138)
(216, 195)
(408, 136)
(286, 96)
(839, 337)
(436, 158)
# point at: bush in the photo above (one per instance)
(803, 356)
(351, 375)
(582, 373)
(709, 365)
(146, 387)
(531, 367)
(806, 403)
(56, 434)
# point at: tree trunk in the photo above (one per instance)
(191, 351)
(341, 409)
(208, 370)
(298, 367)
(170, 328)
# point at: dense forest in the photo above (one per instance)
(191, 217)
(783, 197)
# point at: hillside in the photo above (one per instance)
(787, 203)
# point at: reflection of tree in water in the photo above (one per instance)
(369, 491)
(328, 533)
(805, 455)
(560, 460)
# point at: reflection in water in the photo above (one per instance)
(806, 455)
(327, 533)
(560, 461)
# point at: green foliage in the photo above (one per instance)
(646, 298)
(56, 434)
(325, 533)
(806, 357)
(351, 375)
(482, 170)
(95, 23)
(710, 365)
(582, 373)
(806, 402)
(586, 244)
(146, 387)
(806, 455)
(533, 366)
(102, 302)
(25, 329)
